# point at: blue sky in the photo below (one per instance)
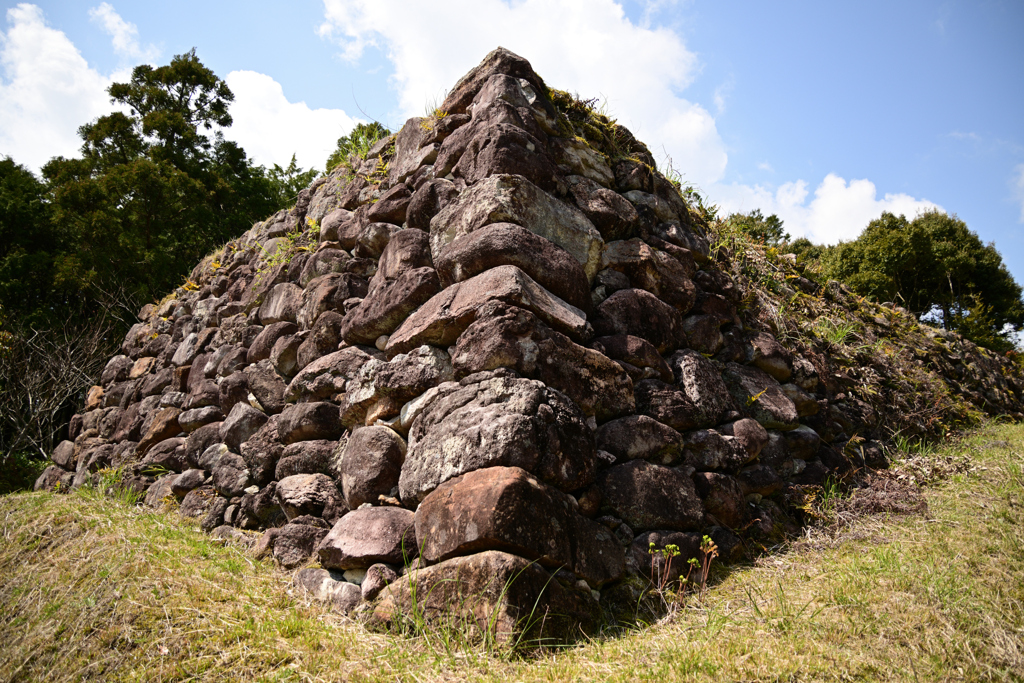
(825, 113)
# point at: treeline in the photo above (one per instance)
(156, 188)
(933, 265)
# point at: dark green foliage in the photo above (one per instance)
(153, 192)
(765, 229)
(28, 240)
(288, 182)
(157, 187)
(934, 266)
(19, 471)
(357, 143)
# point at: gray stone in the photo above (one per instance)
(498, 421)
(514, 199)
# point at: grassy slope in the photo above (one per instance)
(95, 590)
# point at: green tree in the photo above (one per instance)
(357, 143)
(288, 182)
(933, 264)
(156, 188)
(28, 242)
(765, 229)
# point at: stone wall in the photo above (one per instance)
(491, 348)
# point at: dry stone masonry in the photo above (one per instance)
(506, 353)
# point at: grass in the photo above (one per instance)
(92, 589)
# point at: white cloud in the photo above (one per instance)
(721, 93)
(271, 129)
(47, 90)
(124, 36)
(840, 210)
(1018, 189)
(585, 46)
(765, 166)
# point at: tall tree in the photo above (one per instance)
(766, 229)
(28, 242)
(935, 265)
(156, 187)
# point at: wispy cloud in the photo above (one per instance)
(124, 35)
(1017, 183)
(960, 135)
(765, 166)
(721, 93)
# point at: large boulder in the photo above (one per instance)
(308, 421)
(640, 437)
(307, 494)
(702, 382)
(327, 375)
(648, 496)
(492, 594)
(759, 395)
(639, 313)
(441, 320)
(506, 336)
(505, 508)
(500, 244)
(514, 199)
(498, 421)
(371, 465)
(370, 535)
(652, 270)
(384, 309)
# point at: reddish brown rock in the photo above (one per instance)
(635, 351)
(385, 309)
(506, 148)
(501, 244)
(494, 594)
(651, 270)
(391, 206)
(514, 199)
(505, 508)
(499, 61)
(640, 436)
(428, 200)
(723, 498)
(306, 494)
(370, 535)
(307, 457)
(164, 426)
(639, 313)
(309, 421)
(328, 375)
(371, 465)
(281, 304)
(441, 320)
(611, 213)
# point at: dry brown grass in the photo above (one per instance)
(95, 590)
